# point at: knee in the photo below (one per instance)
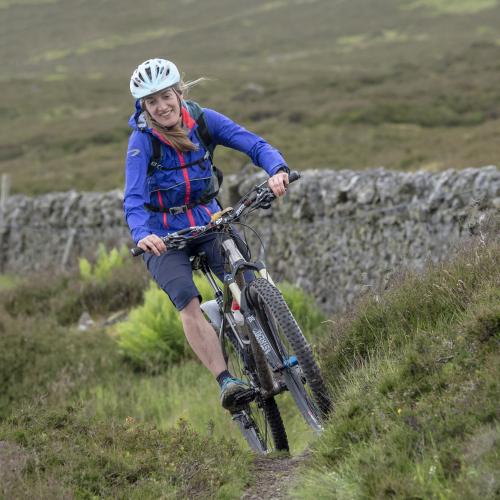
(191, 312)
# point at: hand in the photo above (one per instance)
(278, 183)
(153, 244)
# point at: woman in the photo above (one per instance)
(169, 186)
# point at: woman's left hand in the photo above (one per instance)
(278, 183)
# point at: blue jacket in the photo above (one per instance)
(166, 189)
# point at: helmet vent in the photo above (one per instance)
(153, 75)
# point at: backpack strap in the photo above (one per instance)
(155, 161)
(196, 111)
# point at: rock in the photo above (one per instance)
(85, 322)
(332, 226)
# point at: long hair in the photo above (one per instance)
(177, 135)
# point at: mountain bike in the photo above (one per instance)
(261, 340)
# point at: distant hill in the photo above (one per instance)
(405, 84)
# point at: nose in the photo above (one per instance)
(162, 106)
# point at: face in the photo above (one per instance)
(164, 107)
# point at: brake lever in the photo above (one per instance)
(267, 197)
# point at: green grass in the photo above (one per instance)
(454, 6)
(416, 378)
(8, 281)
(402, 84)
(79, 418)
(62, 453)
(187, 391)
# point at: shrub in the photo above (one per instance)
(153, 338)
(68, 455)
(105, 264)
(65, 297)
(39, 358)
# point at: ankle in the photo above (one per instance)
(223, 376)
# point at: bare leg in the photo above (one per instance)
(202, 337)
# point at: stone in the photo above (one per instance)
(333, 225)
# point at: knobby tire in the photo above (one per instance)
(275, 316)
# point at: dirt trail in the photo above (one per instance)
(274, 477)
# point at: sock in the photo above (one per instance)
(223, 376)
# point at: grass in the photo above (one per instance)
(78, 418)
(61, 453)
(416, 377)
(405, 85)
(8, 281)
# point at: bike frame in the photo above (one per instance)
(236, 263)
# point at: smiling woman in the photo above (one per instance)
(171, 184)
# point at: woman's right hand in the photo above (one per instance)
(153, 244)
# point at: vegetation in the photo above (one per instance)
(79, 418)
(414, 373)
(152, 337)
(416, 388)
(58, 453)
(403, 84)
(106, 264)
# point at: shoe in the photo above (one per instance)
(235, 394)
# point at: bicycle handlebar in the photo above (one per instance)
(260, 193)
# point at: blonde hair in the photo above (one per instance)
(177, 135)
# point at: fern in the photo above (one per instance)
(152, 338)
(106, 262)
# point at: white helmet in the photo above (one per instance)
(153, 75)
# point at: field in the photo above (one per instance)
(405, 84)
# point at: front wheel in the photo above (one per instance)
(301, 373)
(259, 421)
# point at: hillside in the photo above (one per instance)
(405, 84)
(414, 374)
(416, 378)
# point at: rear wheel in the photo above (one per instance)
(301, 374)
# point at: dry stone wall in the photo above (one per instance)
(337, 234)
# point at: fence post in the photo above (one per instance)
(67, 248)
(4, 191)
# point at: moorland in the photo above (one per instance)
(404, 84)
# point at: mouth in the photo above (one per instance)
(165, 114)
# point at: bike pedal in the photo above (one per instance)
(240, 401)
(245, 398)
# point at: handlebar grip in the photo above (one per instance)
(136, 251)
(293, 176)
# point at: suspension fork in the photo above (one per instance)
(236, 262)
